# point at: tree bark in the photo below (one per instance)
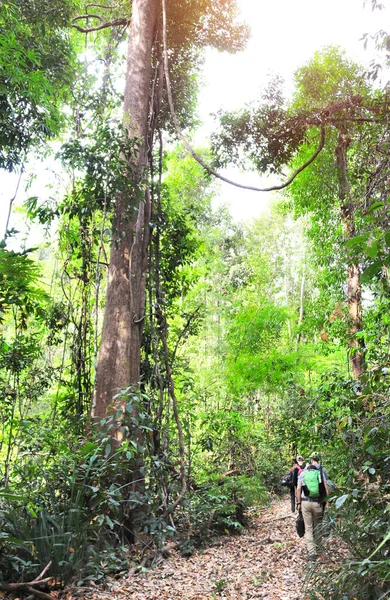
(354, 292)
(119, 355)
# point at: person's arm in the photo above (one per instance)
(324, 480)
(299, 495)
(327, 492)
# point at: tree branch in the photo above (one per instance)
(88, 16)
(196, 156)
(11, 587)
(115, 23)
(332, 121)
(39, 578)
(39, 594)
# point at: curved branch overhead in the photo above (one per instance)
(88, 16)
(196, 156)
(105, 25)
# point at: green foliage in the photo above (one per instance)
(359, 506)
(193, 26)
(101, 158)
(259, 136)
(329, 76)
(255, 357)
(35, 65)
(218, 506)
(70, 517)
(208, 23)
(373, 245)
(19, 289)
(185, 207)
(254, 319)
(77, 503)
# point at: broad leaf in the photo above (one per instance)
(340, 501)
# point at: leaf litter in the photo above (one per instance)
(268, 561)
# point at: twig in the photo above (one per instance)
(38, 579)
(102, 6)
(86, 17)
(230, 473)
(183, 332)
(13, 200)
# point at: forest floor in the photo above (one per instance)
(268, 561)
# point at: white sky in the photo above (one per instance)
(285, 34)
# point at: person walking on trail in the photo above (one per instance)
(296, 471)
(311, 492)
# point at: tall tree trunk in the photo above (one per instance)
(354, 291)
(119, 356)
(120, 349)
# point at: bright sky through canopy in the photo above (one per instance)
(284, 35)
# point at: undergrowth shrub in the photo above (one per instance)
(360, 505)
(71, 515)
(361, 520)
(73, 509)
(218, 506)
(270, 467)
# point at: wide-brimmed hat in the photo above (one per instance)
(315, 456)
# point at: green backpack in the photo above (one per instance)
(311, 482)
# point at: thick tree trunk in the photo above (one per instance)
(119, 356)
(120, 349)
(354, 291)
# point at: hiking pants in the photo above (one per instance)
(312, 515)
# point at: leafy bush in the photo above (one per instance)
(360, 505)
(74, 509)
(270, 466)
(218, 507)
(71, 515)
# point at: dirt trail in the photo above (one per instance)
(266, 562)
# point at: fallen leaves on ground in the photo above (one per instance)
(268, 562)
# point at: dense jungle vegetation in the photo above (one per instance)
(161, 363)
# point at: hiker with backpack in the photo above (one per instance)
(311, 493)
(296, 471)
(291, 479)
